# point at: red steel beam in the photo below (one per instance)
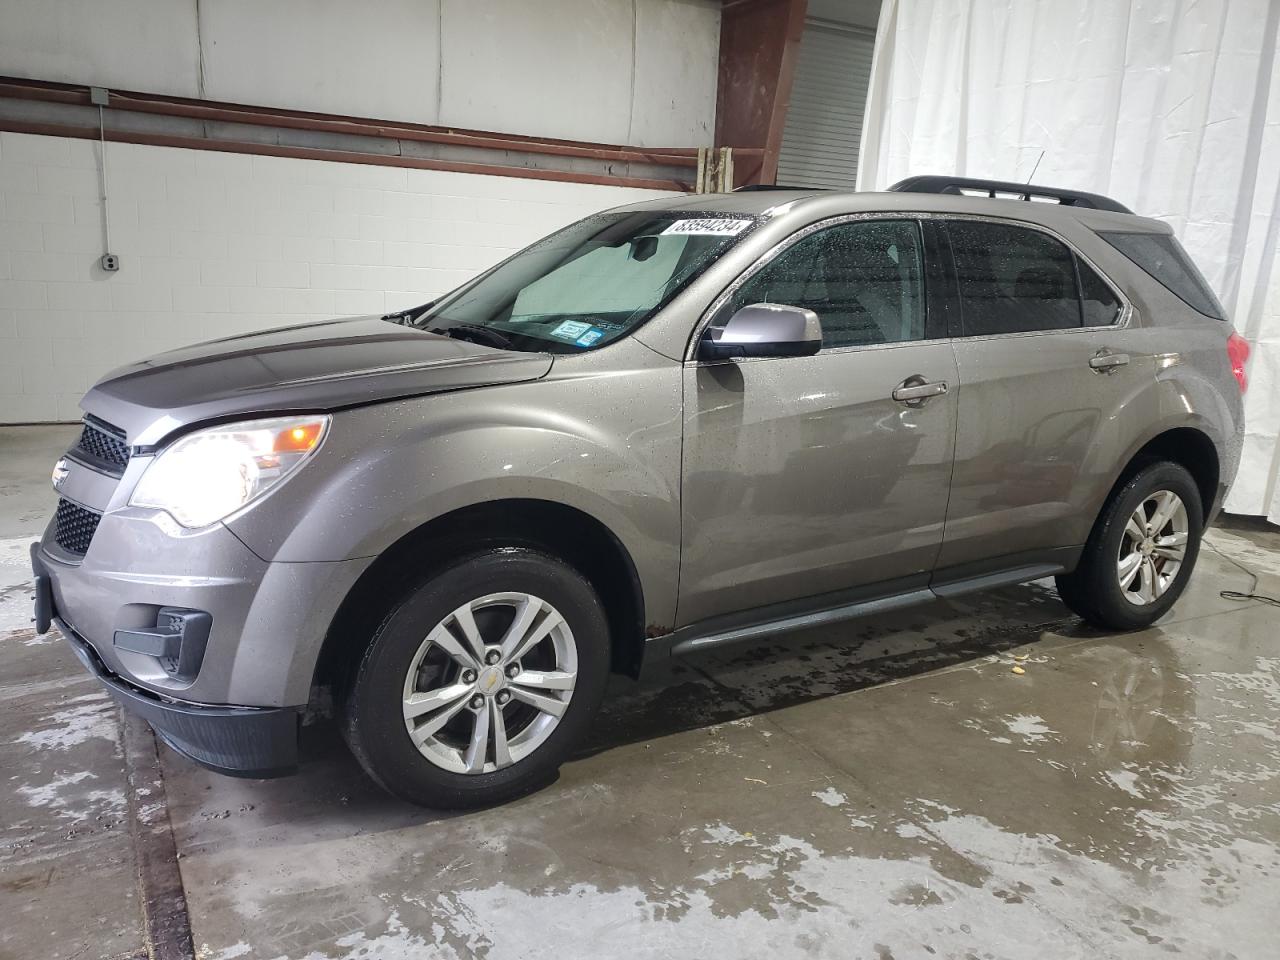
(338, 156)
(135, 102)
(759, 44)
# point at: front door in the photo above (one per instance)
(803, 475)
(1051, 374)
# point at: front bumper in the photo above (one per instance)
(236, 711)
(237, 741)
(267, 620)
(232, 740)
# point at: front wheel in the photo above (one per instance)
(1141, 551)
(477, 686)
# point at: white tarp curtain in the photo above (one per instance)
(1170, 106)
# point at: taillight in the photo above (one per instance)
(1238, 353)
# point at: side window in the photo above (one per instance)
(864, 280)
(1097, 301)
(1012, 279)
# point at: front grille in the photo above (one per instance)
(74, 527)
(104, 444)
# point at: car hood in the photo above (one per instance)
(311, 367)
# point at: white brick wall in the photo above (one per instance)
(214, 244)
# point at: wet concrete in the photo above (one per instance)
(887, 788)
(68, 886)
(68, 878)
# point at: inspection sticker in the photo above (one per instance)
(571, 329)
(708, 228)
(590, 337)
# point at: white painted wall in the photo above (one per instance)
(373, 59)
(135, 44)
(214, 244)
(629, 71)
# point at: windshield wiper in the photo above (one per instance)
(484, 336)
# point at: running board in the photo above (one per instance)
(802, 621)
(1002, 578)
(695, 640)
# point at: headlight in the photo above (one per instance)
(212, 473)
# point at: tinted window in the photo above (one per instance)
(863, 280)
(1162, 256)
(1013, 279)
(1099, 303)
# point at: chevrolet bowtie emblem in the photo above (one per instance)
(60, 471)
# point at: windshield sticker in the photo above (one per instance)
(708, 228)
(571, 330)
(590, 337)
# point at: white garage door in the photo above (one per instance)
(824, 123)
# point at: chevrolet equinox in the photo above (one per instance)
(672, 426)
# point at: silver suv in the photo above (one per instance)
(672, 426)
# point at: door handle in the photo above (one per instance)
(915, 391)
(1104, 361)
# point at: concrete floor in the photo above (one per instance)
(68, 877)
(887, 788)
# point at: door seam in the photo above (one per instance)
(955, 451)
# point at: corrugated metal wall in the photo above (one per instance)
(824, 122)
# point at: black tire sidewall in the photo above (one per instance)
(1100, 584)
(373, 723)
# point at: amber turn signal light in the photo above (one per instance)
(298, 439)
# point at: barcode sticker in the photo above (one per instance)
(708, 228)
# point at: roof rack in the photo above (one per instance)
(960, 186)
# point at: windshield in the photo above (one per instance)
(588, 284)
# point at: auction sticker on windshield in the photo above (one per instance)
(571, 329)
(708, 228)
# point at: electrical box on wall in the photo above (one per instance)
(110, 262)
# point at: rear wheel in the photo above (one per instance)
(1141, 551)
(477, 686)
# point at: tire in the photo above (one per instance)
(1095, 591)
(427, 632)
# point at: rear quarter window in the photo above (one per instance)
(1162, 256)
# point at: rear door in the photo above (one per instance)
(804, 475)
(1048, 365)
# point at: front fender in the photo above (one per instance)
(385, 470)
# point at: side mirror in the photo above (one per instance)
(764, 330)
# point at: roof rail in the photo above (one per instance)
(994, 188)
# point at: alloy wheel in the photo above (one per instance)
(490, 683)
(1152, 548)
